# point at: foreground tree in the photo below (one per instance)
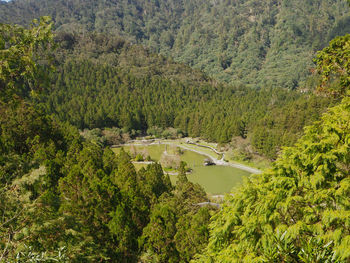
(334, 67)
(178, 227)
(57, 190)
(299, 211)
(66, 199)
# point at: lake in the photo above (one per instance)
(214, 179)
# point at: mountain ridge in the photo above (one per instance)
(257, 43)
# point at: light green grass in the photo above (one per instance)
(117, 150)
(214, 179)
(155, 151)
(204, 150)
(261, 165)
(217, 179)
(138, 166)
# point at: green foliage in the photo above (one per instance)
(192, 233)
(334, 67)
(160, 232)
(24, 58)
(114, 73)
(60, 190)
(31, 162)
(178, 228)
(296, 212)
(258, 43)
(151, 94)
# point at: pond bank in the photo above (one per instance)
(216, 161)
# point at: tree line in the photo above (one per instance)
(106, 82)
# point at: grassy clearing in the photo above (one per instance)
(217, 179)
(155, 151)
(138, 166)
(259, 164)
(202, 149)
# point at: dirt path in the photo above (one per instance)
(206, 146)
(223, 163)
(143, 162)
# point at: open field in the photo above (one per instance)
(202, 149)
(258, 164)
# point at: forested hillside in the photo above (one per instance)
(66, 199)
(269, 43)
(105, 81)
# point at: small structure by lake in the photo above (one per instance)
(208, 162)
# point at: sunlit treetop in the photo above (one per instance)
(24, 58)
(333, 63)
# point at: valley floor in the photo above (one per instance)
(218, 158)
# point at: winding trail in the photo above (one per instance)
(215, 160)
(206, 146)
(223, 163)
(143, 162)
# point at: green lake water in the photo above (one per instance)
(214, 179)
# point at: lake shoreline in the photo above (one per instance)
(216, 161)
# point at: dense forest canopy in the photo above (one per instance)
(100, 77)
(269, 43)
(99, 80)
(102, 81)
(66, 199)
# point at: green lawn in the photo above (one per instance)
(138, 166)
(203, 149)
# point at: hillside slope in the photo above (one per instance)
(258, 43)
(103, 81)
